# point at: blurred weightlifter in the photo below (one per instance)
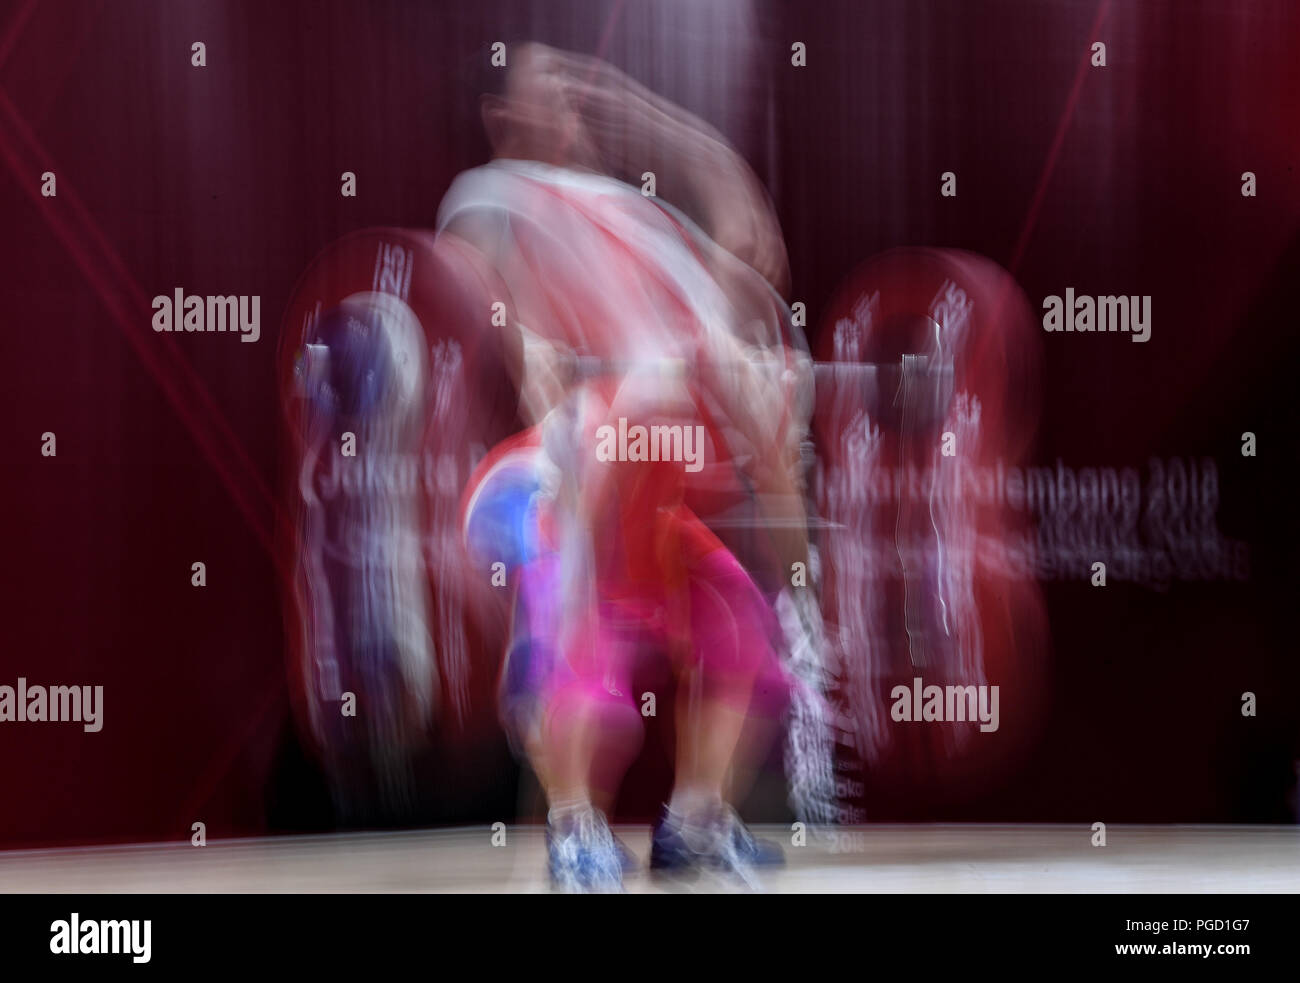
(624, 311)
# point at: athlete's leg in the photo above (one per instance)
(730, 680)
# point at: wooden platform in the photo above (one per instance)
(879, 859)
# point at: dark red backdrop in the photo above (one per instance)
(225, 179)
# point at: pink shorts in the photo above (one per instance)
(721, 625)
(662, 585)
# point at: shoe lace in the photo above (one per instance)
(592, 832)
(566, 847)
(732, 837)
(740, 832)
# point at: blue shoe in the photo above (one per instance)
(760, 853)
(584, 856)
(715, 841)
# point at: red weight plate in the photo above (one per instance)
(926, 396)
(388, 338)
